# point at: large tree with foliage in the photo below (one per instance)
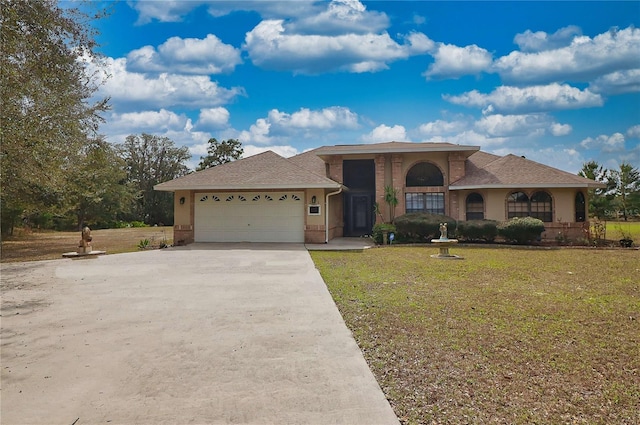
(45, 113)
(600, 200)
(627, 186)
(151, 160)
(219, 153)
(97, 192)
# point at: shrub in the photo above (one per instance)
(475, 230)
(422, 227)
(521, 230)
(378, 229)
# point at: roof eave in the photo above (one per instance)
(527, 186)
(326, 152)
(169, 188)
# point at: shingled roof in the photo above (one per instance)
(266, 170)
(486, 171)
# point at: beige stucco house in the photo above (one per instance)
(331, 192)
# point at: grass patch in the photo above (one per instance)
(507, 336)
(50, 245)
(617, 230)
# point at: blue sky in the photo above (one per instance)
(557, 82)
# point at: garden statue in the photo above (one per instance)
(84, 245)
(443, 231)
(85, 250)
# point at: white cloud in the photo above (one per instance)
(583, 60)
(130, 90)
(529, 99)
(453, 61)
(384, 133)
(270, 47)
(334, 117)
(147, 121)
(468, 137)
(613, 143)
(617, 82)
(186, 56)
(213, 118)
(341, 16)
(279, 127)
(539, 41)
(257, 133)
(558, 129)
(513, 125)
(165, 11)
(441, 127)
(634, 132)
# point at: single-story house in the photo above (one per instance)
(332, 191)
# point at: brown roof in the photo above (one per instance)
(310, 161)
(393, 147)
(514, 171)
(266, 170)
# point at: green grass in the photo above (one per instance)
(616, 230)
(512, 336)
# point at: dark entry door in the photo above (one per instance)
(359, 212)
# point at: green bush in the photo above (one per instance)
(422, 227)
(478, 230)
(379, 228)
(521, 230)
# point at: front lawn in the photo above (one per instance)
(513, 336)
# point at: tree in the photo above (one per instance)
(97, 191)
(45, 114)
(391, 198)
(219, 153)
(600, 200)
(627, 186)
(151, 160)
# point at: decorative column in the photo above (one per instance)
(379, 162)
(397, 181)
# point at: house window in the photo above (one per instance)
(424, 174)
(581, 214)
(538, 206)
(475, 207)
(541, 206)
(425, 202)
(517, 205)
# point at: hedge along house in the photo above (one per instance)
(332, 191)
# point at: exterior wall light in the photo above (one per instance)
(313, 199)
(182, 201)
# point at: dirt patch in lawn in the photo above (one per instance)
(33, 246)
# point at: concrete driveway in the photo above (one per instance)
(200, 334)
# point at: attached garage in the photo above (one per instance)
(249, 217)
(262, 198)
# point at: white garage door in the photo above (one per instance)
(249, 217)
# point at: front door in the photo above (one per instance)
(359, 214)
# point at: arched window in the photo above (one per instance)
(581, 211)
(475, 207)
(517, 205)
(541, 206)
(424, 174)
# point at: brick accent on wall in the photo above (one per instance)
(398, 182)
(456, 166)
(335, 169)
(314, 233)
(380, 161)
(183, 234)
